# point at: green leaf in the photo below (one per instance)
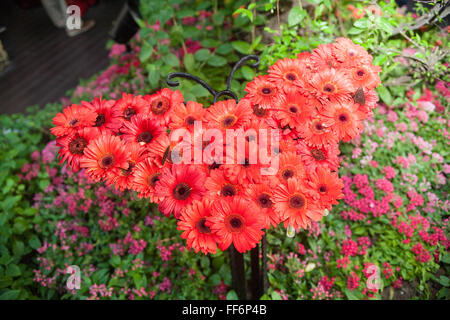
(20, 225)
(214, 279)
(171, 60)
(13, 270)
(445, 281)
(361, 23)
(385, 95)
(446, 258)
(231, 295)
(354, 30)
(248, 72)
(146, 52)
(34, 242)
(275, 296)
(189, 62)
(244, 12)
(153, 77)
(198, 91)
(202, 55)
(385, 26)
(224, 48)
(115, 261)
(218, 18)
(10, 295)
(217, 61)
(353, 295)
(296, 16)
(241, 46)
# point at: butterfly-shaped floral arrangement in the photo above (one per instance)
(218, 195)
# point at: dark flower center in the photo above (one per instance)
(319, 126)
(360, 73)
(293, 109)
(153, 179)
(328, 88)
(145, 137)
(291, 76)
(214, 166)
(343, 117)
(323, 188)
(297, 201)
(100, 120)
(201, 226)
(266, 91)
(259, 111)
(160, 105)
(128, 113)
(287, 173)
(190, 121)
(318, 154)
(107, 161)
(235, 223)
(73, 122)
(182, 191)
(264, 200)
(229, 121)
(228, 190)
(77, 145)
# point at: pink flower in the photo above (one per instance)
(116, 50)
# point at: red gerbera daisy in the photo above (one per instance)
(261, 195)
(322, 58)
(184, 116)
(104, 156)
(287, 73)
(243, 167)
(328, 186)
(283, 146)
(108, 118)
(228, 115)
(305, 59)
(142, 130)
(179, 186)
(316, 132)
(344, 120)
(290, 165)
(263, 92)
(73, 146)
(365, 76)
(323, 156)
(235, 221)
(294, 110)
(296, 203)
(162, 102)
(129, 106)
(331, 85)
(72, 119)
(146, 175)
(125, 177)
(193, 224)
(219, 186)
(350, 54)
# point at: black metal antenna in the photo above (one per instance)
(216, 94)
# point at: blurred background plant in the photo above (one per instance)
(395, 214)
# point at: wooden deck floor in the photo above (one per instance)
(45, 61)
